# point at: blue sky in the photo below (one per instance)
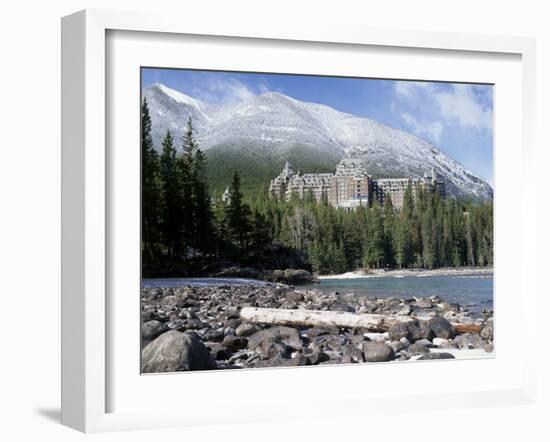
(458, 118)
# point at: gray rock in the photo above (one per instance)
(219, 351)
(487, 331)
(287, 335)
(438, 355)
(399, 330)
(176, 351)
(468, 340)
(426, 342)
(397, 346)
(441, 328)
(194, 324)
(246, 329)
(316, 331)
(235, 342)
(418, 348)
(294, 297)
(152, 329)
(317, 358)
(352, 354)
(424, 314)
(412, 330)
(377, 352)
(270, 350)
(214, 335)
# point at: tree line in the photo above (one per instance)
(183, 223)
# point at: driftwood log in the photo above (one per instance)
(323, 318)
(466, 328)
(320, 318)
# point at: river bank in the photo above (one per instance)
(397, 273)
(201, 327)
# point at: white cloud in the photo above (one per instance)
(463, 107)
(409, 89)
(213, 89)
(430, 129)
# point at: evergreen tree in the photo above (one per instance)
(202, 227)
(237, 215)
(150, 202)
(374, 247)
(389, 232)
(171, 198)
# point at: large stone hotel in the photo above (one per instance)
(351, 186)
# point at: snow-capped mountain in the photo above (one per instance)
(272, 125)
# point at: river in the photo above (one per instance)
(472, 291)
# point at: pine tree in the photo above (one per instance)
(201, 204)
(374, 248)
(171, 198)
(237, 215)
(150, 189)
(389, 232)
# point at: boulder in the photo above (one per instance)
(317, 358)
(215, 335)
(219, 351)
(377, 352)
(235, 342)
(468, 340)
(176, 351)
(487, 331)
(271, 350)
(438, 342)
(399, 330)
(290, 276)
(294, 297)
(318, 331)
(418, 348)
(297, 276)
(246, 329)
(438, 355)
(152, 329)
(397, 346)
(412, 330)
(440, 327)
(352, 354)
(287, 335)
(341, 307)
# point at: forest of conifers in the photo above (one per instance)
(183, 223)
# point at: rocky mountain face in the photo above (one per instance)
(262, 132)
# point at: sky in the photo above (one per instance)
(457, 118)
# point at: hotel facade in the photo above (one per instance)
(351, 186)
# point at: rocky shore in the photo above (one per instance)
(201, 328)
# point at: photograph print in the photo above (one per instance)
(301, 220)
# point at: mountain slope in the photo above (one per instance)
(260, 133)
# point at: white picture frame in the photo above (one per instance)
(86, 315)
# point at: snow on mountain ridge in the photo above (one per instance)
(272, 123)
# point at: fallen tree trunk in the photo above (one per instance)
(466, 328)
(328, 318)
(320, 318)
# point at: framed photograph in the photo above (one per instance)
(254, 212)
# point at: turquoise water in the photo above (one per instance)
(475, 292)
